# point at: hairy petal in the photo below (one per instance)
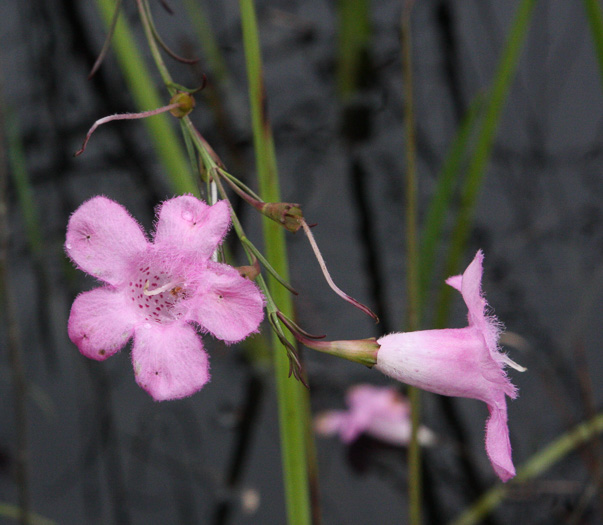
(169, 360)
(230, 306)
(186, 224)
(100, 323)
(455, 362)
(102, 237)
(498, 445)
(470, 286)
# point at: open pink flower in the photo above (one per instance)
(462, 362)
(158, 292)
(380, 412)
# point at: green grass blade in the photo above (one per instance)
(142, 88)
(536, 465)
(594, 13)
(294, 414)
(483, 149)
(440, 203)
(20, 178)
(209, 44)
(11, 512)
(354, 33)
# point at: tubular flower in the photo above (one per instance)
(158, 292)
(380, 412)
(462, 362)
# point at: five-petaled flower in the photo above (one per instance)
(380, 412)
(461, 362)
(158, 292)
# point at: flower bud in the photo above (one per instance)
(185, 102)
(249, 271)
(287, 214)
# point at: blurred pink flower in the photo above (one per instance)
(158, 292)
(462, 362)
(380, 412)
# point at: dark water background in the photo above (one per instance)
(101, 451)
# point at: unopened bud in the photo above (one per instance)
(185, 102)
(249, 272)
(287, 214)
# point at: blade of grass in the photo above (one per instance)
(25, 197)
(536, 465)
(594, 13)
(209, 44)
(27, 206)
(142, 88)
(483, 149)
(354, 33)
(293, 401)
(8, 315)
(440, 203)
(11, 512)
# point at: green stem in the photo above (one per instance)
(536, 465)
(141, 87)
(594, 13)
(354, 33)
(293, 399)
(477, 167)
(412, 258)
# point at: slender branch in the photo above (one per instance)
(412, 258)
(122, 116)
(107, 43)
(327, 275)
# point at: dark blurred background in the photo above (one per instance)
(101, 451)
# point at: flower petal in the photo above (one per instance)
(102, 237)
(498, 445)
(455, 281)
(330, 422)
(470, 286)
(100, 323)
(230, 307)
(186, 223)
(450, 362)
(455, 362)
(169, 360)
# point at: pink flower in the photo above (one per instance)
(462, 362)
(158, 292)
(380, 412)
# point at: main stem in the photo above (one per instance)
(294, 415)
(412, 265)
